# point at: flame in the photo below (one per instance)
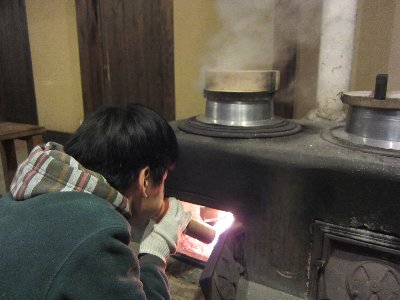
(221, 221)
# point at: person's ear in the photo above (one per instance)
(143, 180)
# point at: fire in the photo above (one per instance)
(220, 221)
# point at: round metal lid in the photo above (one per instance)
(366, 99)
(372, 122)
(276, 128)
(338, 135)
(373, 118)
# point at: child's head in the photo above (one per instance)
(119, 141)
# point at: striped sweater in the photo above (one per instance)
(49, 169)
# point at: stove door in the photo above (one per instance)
(354, 264)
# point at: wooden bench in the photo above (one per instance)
(9, 132)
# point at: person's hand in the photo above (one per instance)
(160, 239)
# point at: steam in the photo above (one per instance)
(246, 38)
(270, 34)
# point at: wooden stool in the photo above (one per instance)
(9, 132)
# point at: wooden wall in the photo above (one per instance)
(17, 92)
(126, 53)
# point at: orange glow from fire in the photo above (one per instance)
(218, 219)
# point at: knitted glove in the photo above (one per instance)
(160, 239)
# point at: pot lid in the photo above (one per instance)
(242, 81)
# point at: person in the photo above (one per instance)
(64, 232)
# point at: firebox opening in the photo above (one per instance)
(219, 220)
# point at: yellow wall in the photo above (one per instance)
(55, 60)
(194, 22)
(394, 59)
(374, 31)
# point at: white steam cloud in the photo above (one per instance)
(245, 40)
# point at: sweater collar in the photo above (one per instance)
(49, 169)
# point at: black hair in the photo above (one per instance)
(118, 141)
